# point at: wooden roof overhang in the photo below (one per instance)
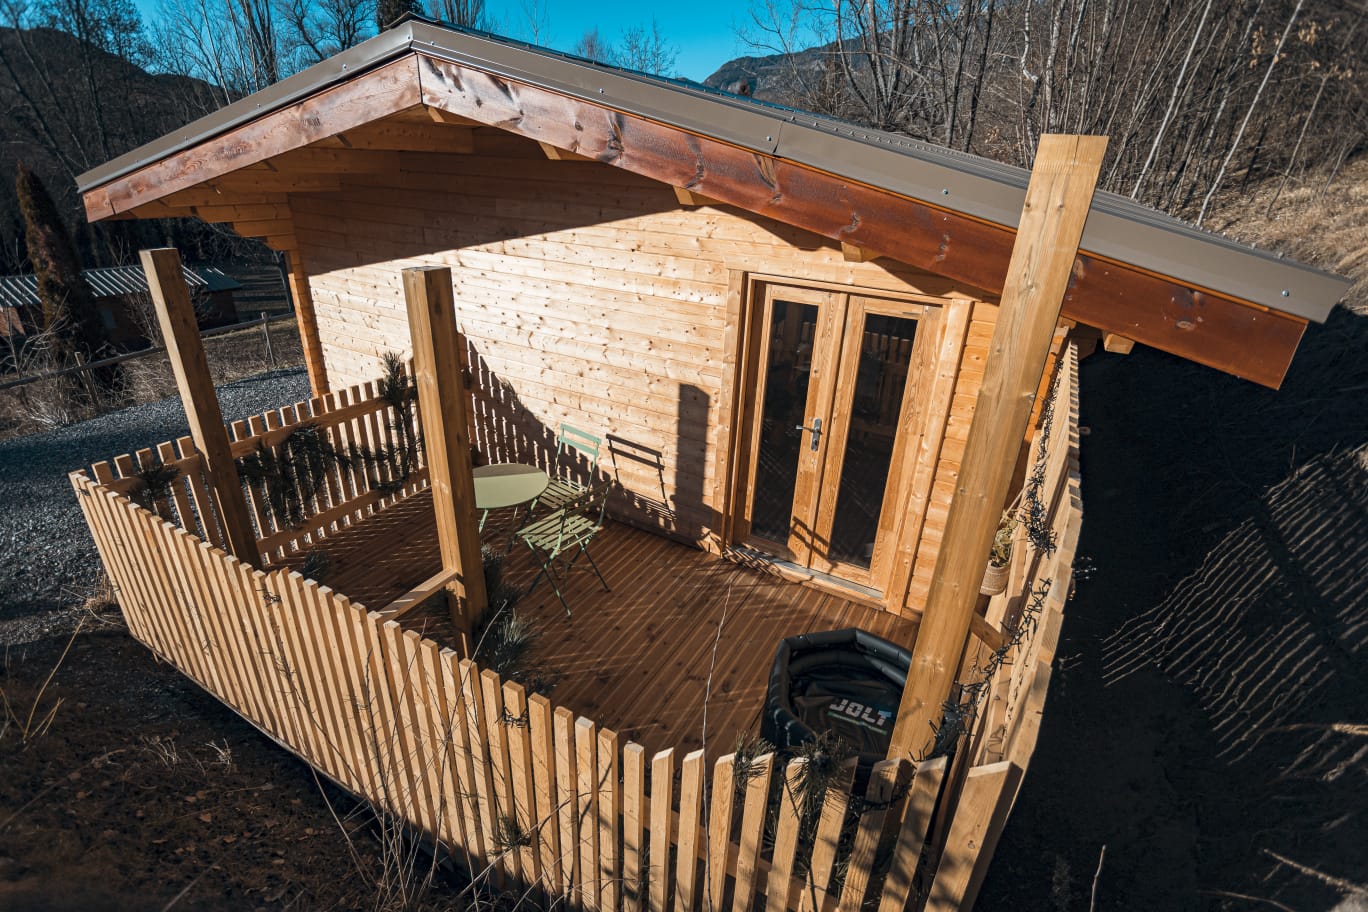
(421, 87)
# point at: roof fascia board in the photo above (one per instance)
(1118, 228)
(350, 63)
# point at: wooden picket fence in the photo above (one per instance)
(522, 794)
(357, 422)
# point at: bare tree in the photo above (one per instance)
(536, 21)
(317, 29)
(1253, 105)
(1188, 90)
(591, 46)
(465, 13)
(647, 50)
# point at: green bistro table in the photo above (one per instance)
(507, 484)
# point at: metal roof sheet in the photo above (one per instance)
(1118, 228)
(22, 290)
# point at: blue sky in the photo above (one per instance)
(703, 30)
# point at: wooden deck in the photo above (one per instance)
(679, 649)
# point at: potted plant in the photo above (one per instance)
(1000, 557)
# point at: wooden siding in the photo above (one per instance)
(588, 295)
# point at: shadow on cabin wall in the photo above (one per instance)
(539, 212)
(506, 430)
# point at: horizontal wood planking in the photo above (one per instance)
(598, 301)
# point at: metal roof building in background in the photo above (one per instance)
(21, 291)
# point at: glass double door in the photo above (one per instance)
(831, 380)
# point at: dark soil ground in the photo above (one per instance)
(1206, 714)
(146, 793)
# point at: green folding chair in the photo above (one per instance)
(559, 539)
(563, 489)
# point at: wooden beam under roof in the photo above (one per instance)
(342, 107)
(853, 254)
(313, 161)
(1202, 325)
(555, 153)
(690, 198)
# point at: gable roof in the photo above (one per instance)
(113, 281)
(1142, 274)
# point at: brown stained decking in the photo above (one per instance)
(643, 659)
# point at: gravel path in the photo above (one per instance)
(47, 558)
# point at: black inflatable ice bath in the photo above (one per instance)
(844, 681)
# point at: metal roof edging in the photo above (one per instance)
(1118, 228)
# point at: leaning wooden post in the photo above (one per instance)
(1057, 201)
(180, 330)
(446, 438)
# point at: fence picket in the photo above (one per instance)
(690, 812)
(516, 721)
(609, 802)
(661, 871)
(787, 820)
(476, 822)
(405, 673)
(756, 781)
(540, 730)
(633, 826)
(199, 494)
(988, 793)
(721, 806)
(482, 765)
(884, 783)
(826, 843)
(907, 851)
(586, 812)
(566, 786)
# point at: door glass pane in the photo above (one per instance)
(885, 353)
(787, 365)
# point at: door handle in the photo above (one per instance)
(815, 431)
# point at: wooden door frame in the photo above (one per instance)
(827, 338)
(908, 425)
(737, 403)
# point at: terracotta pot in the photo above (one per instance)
(994, 579)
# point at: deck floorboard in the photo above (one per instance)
(681, 629)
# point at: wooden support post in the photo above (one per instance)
(185, 349)
(1057, 201)
(446, 435)
(308, 326)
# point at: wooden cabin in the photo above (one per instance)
(820, 356)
